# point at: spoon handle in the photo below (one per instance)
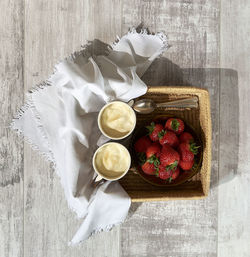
(191, 102)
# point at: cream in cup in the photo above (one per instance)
(116, 120)
(111, 161)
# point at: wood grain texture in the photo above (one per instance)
(205, 35)
(55, 29)
(11, 148)
(179, 228)
(234, 191)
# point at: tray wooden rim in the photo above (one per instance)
(203, 189)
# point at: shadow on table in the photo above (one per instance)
(222, 85)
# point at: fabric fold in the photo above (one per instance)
(60, 120)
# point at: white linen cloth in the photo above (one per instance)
(60, 120)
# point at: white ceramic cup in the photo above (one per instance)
(101, 175)
(100, 117)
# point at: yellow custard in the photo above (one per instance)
(117, 119)
(112, 160)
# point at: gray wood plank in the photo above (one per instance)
(182, 228)
(234, 177)
(11, 147)
(54, 29)
(179, 228)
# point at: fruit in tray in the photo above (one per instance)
(167, 150)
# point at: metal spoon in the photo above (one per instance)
(147, 105)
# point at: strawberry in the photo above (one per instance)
(163, 174)
(153, 130)
(169, 157)
(186, 165)
(175, 125)
(148, 168)
(168, 137)
(142, 144)
(187, 151)
(153, 149)
(186, 137)
(175, 174)
(162, 167)
(151, 166)
(155, 160)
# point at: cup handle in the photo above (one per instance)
(98, 180)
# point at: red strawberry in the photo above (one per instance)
(153, 130)
(175, 174)
(158, 154)
(169, 138)
(169, 174)
(186, 165)
(162, 168)
(164, 174)
(155, 160)
(148, 168)
(175, 125)
(151, 166)
(142, 144)
(187, 151)
(169, 157)
(153, 149)
(186, 137)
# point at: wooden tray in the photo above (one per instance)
(200, 119)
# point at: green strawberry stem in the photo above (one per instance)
(172, 166)
(175, 124)
(150, 128)
(194, 148)
(157, 171)
(153, 159)
(162, 133)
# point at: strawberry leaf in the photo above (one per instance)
(172, 166)
(157, 163)
(150, 128)
(153, 159)
(175, 124)
(162, 133)
(157, 171)
(194, 148)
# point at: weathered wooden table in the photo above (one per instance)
(210, 48)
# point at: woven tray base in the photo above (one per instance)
(200, 119)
